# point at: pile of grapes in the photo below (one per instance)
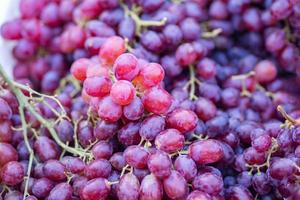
(152, 100)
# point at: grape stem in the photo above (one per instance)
(138, 21)
(243, 78)
(290, 121)
(24, 103)
(192, 83)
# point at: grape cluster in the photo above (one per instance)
(152, 100)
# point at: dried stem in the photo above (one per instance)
(192, 83)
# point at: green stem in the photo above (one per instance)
(22, 99)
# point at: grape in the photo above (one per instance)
(129, 134)
(61, 191)
(112, 49)
(122, 92)
(97, 86)
(205, 109)
(54, 170)
(152, 126)
(128, 187)
(175, 186)
(150, 187)
(207, 151)
(262, 143)
(6, 133)
(169, 140)
(262, 69)
(95, 189)
(13, 195)
(252, 20)
(282, 167)
(190, 29)
(79, 68)
(50, 15)
(85, 133)
(12, 173)
(65, 131)
(173, 35)
(103, 150)
(182, 120)
(152, 41)
(118, 161)
(134, 110)
(5, 110)
(8, 153)
(127, 28)
(99, 168)
(11, 30)
(252, 156)
(73, 164)
(261, 184)
(97, 70)
(157, 100)
(46, 149)
(104, 130)
(151, 75)
(99, 29)
(136, 156)
(206, 68)
(218, 10)
(160, 164)
(126, 67)
(281, 9)
(198, 195)
(209, 183)
(186, 54)
(186, 167)
(42, 187)
(109, 110)
(238, 192)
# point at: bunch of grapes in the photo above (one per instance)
(152, 100)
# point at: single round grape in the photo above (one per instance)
(62, 191)
(129, 187)
(151, 75)
(206, 151)
(12, 173)
(218, 10)
(85, 133)
(112, 48)
(186, 166)
(99, 29)
(209, 183)
(151, 187)
(157, 100)
(97, 86)
(102, 149)
(8, 153)
(160, 164)
(126, 67)
(190, 29)
(5, 111)
(152, 41)
(78, 183)
(205, 109)
(97, 70)
(122, 92)
(175, 186)
(129, 134)
(262, 143)
(50, 15)
(182, 120)
(238, 192)
(42, 187)
(95, 189)
(104, 130)
(79, 68)
(73, 164)
(281, 9)
(140, 173)
(173, 35)
(65, 130)
(11, 30)
(127, 28)
(136, 156)
(109, 110)
(261, 183)
(244, 179)
(186, 54)
(275, 41)
(169, 140)
(97, 168)
(54, 170)
(206, 68)
(13, 195)
(265, 71)
(46, 149)
(281, 168)
(198, 195)
(152, 126)
(118, 161)
(134, 110)
(6, 132)
(252, 156)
